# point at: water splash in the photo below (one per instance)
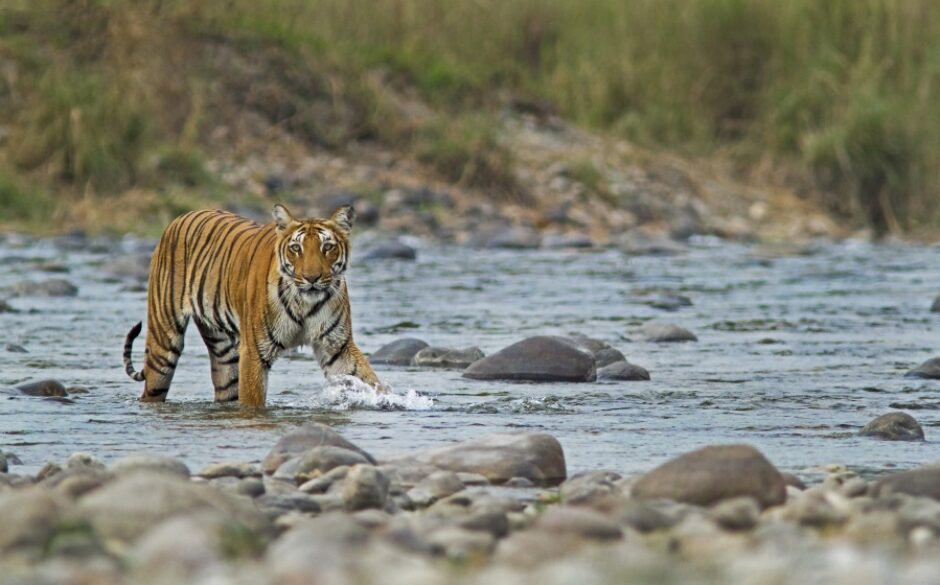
(349, 393)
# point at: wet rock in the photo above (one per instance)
(14, 348)
(563, 241)
(129, 506)
(607, 356)
(390, 250)
(922, 481)
(398, 353)
(736, 513)
(623, 370)
(150, 463)
(306, 437)
(43, 388)
(712, 474)
(438, 485)
(53, 287)
(501, 457)
(540, 359)
(442, 357)
(935, 307)
(30, 518)
(587, 487)
(323, 483)
(581, 522)
(894, 426)
(230, 469)
(929, 369)
(319, 460)
(657, 332)
(365, 486)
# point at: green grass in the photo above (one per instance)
(840, 93)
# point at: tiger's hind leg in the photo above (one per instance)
(223, 358)
(164, 347)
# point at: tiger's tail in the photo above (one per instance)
(128, 346)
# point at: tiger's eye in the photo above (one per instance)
(295, 248)
(327, 247)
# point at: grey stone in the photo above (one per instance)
(315, 549)
(390, 250)
(935, 307)
(458, 544)
(645, 517)
(657, 332)
(623, 370)
(304, 438)
(736, 513)
(929, 369)
(43, 388)
(229, 469)
(317, 461)
(151, 463)
(398, 353)
(127, 507)
(894, 426)
(587, 487)
(365, 486)
(540, 359)
(493, 521)
(714, 473)
(607, 356)
(53, 287)
(503, 456)
(922, 481)
(277, 504)
(443, 357)
(438, 485)
(319, 485)
(30, 517)
(581, 522)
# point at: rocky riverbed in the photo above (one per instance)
(496, 509)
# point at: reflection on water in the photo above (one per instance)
(795, 353)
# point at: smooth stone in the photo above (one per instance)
(316, 549)
(711, 474)
(935, 307)
(645, 517)
(443, 357)
(306, 437)
(500, 457)
(319, 485)
(793, 481)
(117, 511)
(581, 522)
(43, 388)
(929, 369)
(183, 544)
(922, 481)
(894, 426)
(591, 345)
(390, 250)
(150, 463)
(607, 356)
(539, 359)
(320, 460)
(623, 370)
(14, 348)
(496, 522)
(818, 508)
(30, 518)
(439, 484)
(657, 332)
(251, 487)
(230, 469)
(365, 486)
(459, 544)
(53, 287)
(587, 487)
(398, 353)
(736, 513)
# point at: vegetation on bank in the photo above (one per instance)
(835, 98)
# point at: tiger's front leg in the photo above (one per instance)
(343, 357)
(252, 373)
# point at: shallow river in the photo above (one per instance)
(795, 354)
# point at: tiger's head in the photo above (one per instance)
(313, 253)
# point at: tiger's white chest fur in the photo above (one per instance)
(298, 318)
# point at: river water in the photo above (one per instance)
(796, 352)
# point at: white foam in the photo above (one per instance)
(349, 393)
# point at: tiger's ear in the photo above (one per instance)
(344, 218)
(282, 217)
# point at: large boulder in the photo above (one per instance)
(539, 359)
(443, 357)
(712, 474)
(922, 481)
(398, 353)
(129, 506)
(303, 439)
(500, 457)
(894, 426)
(929, 369)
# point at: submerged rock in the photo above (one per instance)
(935, 307)
(894, 426)
(665, 333)
(539, 359)
(302, 439)
(45, 388)
(623, 370)
(500, 457)
(712, 474)
(929, 369)
(398, 353)
(442, 357)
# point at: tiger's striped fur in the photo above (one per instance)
(253, 291)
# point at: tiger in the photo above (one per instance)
(254, 291)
